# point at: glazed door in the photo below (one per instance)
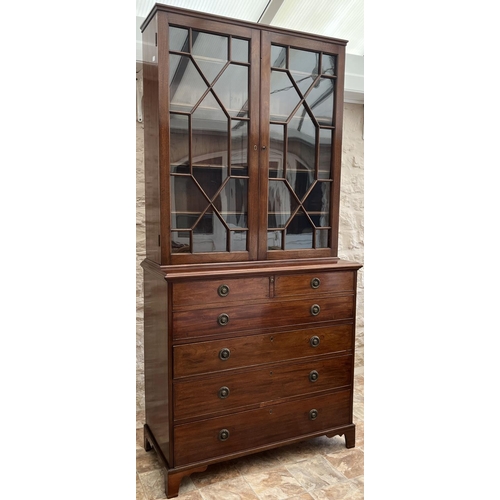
(213, 75)
(302, 100)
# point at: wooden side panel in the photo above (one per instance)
(157, 360)
(151, 141)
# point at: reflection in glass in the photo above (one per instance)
(317, 204)
(186, 84)
(232, 203)
(328, 64)
(301, 152)
(299, 234)
(210, 133)
(239, 147)
(278, 56)
(325, 153)
(239, 50)
(276, 153)
(209, 235)
(281, 204)
(303, 61)
(210, 176)
(210, 53)
(320, 100)
(284, 97)
(180, 241)
(187, 202)
(322, 238)
(275, 240)
(232, 90)
(178, 39)
(179, 139)
(238, 241)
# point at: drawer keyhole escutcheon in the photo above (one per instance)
(313, 414)
(315, 282)
(223, 435)
(313, 376)
(315, 309)
(224, 354)
(224, 392)
(314, 341)
(223, 291)
(223, 319)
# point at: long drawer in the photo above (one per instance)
(220, 436)
(266, 314)
(200, 396)
(238, 352)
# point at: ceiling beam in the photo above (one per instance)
(270, 11)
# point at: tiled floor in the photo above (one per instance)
(318, 469)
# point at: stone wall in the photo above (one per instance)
(351, 238)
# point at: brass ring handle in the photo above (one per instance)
(224, 392)
(315, 309)
(313, 414)
(224, 354)
(223, 290)
(223, 319)
(315, 282)
(313, 376)
(314, 341)
(223, 435)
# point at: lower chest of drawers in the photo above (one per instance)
(259, 361)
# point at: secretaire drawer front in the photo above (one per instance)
(206, 439)
(204, 357)
(268, 314)
(200, 396)
(305, 285)
(222, 291)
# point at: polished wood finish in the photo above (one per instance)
(246, 347)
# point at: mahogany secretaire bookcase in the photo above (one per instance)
(249, 315)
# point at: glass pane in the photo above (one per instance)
(317, 204)
(210, 134)
(187, 202)
(210, 53)
(276, 152)
(299, 234)
(209, 235)
(320, 100)
(304, 62)
(232, 90)
(186, 84)
(232, 203)
(274, 240)
(210, 176)
(322, 238)
(284, 97)
(239, 50)
(303, 82)
(328, 64)
(325, 153)
(281, 204)
(278, 56)
(238, 241)
(239, 148)
(179, 139)
(178, 39)
(301, 152)
(180, 242)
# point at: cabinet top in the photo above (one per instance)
(158, 7)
